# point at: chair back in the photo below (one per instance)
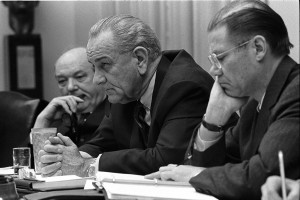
(17, 116)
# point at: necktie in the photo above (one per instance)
(76, 125)
(139, 117)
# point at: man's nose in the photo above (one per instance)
(215, 71)
(72, 85)
(99, 78)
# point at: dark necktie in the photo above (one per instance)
(139, 117)
(76, 125)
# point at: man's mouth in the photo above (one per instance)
(109, 91)
(81, 96)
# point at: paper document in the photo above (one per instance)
(6, 171)
(57, 178)
(129, 186)
(109, 175)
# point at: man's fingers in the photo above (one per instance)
(58, 173)
(167, 168)
(154, 175)
(163, 169)
(51, 158)
(77, 100)
(264, 192)
(47, 142)
(71, 102)
(41, 153)
(55, 140)
(53, 148)
(50, 170)
(167, 176)
(66, 140)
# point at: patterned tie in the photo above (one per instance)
(139, 117)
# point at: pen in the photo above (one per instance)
(282, 175)
(146, 182)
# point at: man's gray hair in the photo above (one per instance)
(128, 33)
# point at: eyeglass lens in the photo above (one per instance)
(214, 60)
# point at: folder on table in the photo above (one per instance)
(128, 186)
(52, 183)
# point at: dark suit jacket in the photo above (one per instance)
(179, 100)
(252, 146)
(86, 130)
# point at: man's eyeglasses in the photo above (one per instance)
(213, 58)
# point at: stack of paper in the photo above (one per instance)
(128, 186)
(6, 171)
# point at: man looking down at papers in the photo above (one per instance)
(249, 47)
(158, 98)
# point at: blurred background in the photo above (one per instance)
(178, 24)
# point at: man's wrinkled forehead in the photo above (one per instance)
(98, 46)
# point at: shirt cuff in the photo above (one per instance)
(202, 145)
(97, 162)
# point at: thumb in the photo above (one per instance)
(66, 140)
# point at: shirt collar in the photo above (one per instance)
(146, 98)
(260, 103)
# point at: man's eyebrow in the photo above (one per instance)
(216, 51)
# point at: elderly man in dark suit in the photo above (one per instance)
(79, 110)
(249, 49)
(158, 98)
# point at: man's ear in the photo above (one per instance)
(260, 47)
(141, 54)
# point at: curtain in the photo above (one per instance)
(178, 24)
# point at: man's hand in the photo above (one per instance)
(271, 190)
(61, 157)
(221, 106)
(56, 108)
(180, 173)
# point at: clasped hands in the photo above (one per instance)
(61, 156)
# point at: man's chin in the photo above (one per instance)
(230, 93)
(115, 99)
(233, 94)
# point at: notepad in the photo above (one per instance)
(129, 186)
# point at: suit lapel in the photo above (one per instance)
(162, 68)
(271, 97)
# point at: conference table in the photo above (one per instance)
(117, 186)
(60, 190)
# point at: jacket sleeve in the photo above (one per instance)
(103, 141)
